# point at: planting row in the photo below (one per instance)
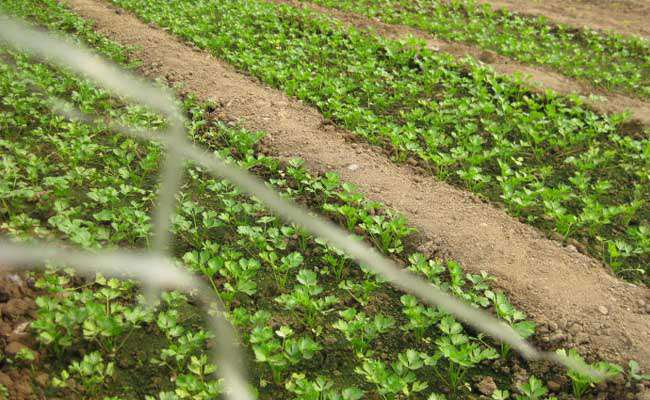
(603, 59)
(315, 325)
(548, 159)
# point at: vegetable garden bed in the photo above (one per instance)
(550, 160)
(315, 325)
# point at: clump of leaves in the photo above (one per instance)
(97, 313)
(533, 389)
(581, 383)
(305, 298)
(280, 349)
(635, 372)
(360, 330)
(515, 318)
(320, 388)
(461, 352)
(89, 374)
(397, 379)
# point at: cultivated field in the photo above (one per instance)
(499, 150)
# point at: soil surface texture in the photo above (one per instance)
(17, 310)
(627, 17)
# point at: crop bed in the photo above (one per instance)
(314, 324)
(551, 161)
(608, 60)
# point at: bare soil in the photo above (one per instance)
(17, 309)
(538, 78)
(571, 295)
(627, 17)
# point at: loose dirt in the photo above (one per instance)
(627, 17)
(17, 310)
(572, 295)
(538, 78)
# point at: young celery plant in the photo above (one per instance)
(280, 349)
(360, 292)
(420, 318)
(334, 259)
(515, 318)
(282, 267)
(321, 388)
(239, 276)
(198, 384)
(431, 269)
(206, 263)
(534, 389)
(635, 372)
(582, 383)
(179, 351)
(92, 373)
(460, 351)
(304, 298)
(360, 330)
(397, 380)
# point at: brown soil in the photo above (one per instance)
(538, 78)
(17, 309)
(572, 295)
(628, 17)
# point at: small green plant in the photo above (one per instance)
(360, 292)
(91, 373)
(239, 275)
(305, 297)
(319, 389)
(182, 347)
(197, 383)
(582, 383)
(360, 330)
(26, 355)
(420, 318)
(334, 259)
(515, 318)
(460, 351)
(280, 349)
(163, 396)
(282, 267)
(500, 395)
(398, 379)
(431, 269)
(533, 389)
(635, 372)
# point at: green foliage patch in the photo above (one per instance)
(603, 59)
(551, 161)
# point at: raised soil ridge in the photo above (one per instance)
(627, 17)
